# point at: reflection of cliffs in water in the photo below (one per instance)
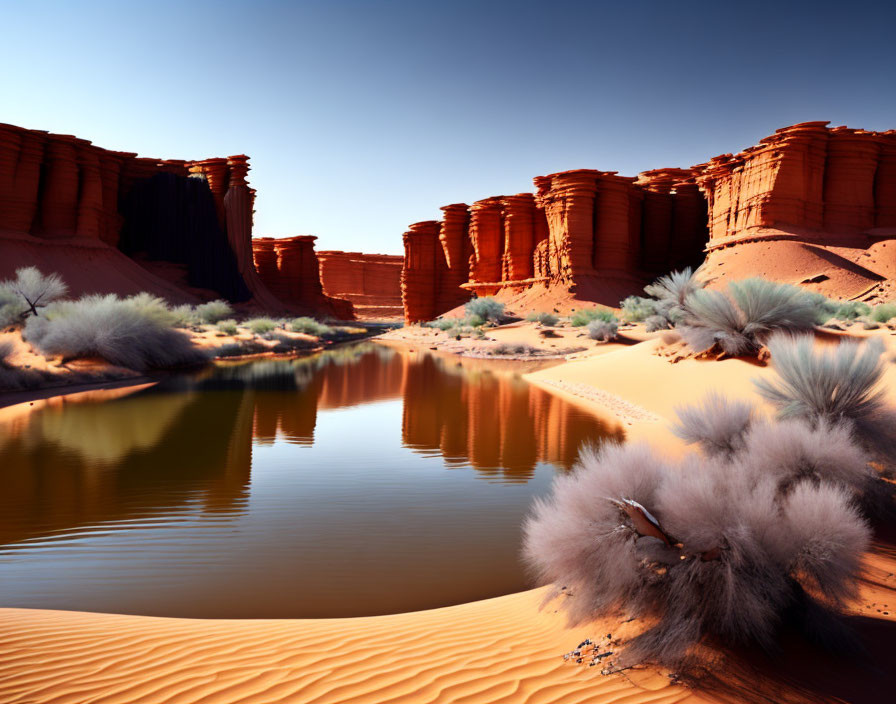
(78, 465)
(187, 442)
(497, 422)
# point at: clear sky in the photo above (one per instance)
(361, 117)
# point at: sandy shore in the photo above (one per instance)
(499, 650)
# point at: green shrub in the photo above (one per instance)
(309, 326)
(586, 315)
(513, 349)
(442, 323)
(260, 326)
(152, 307)
(486, 308)
(474, 321)
(850, 310)
(636, 309)
(548, 319)
(213, 311)
(185, 316)
(883, 313)
(228, 326)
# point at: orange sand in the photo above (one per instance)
(499, 650)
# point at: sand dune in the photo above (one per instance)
(499, 650)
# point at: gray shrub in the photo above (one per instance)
(603, 330)
(121, 331)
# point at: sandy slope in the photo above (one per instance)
(500, 650)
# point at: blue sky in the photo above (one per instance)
(362, 117)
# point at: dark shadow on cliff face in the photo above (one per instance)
(173, 218)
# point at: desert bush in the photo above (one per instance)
(442, 323)
(513, 349)
(656, 323)
(185, 316)
(487, 308)
(674, 288)
(586, 315)
(10, 308)
(260, 326)
(7, 350)
(870, 324)
(717, 425)
(636, 309)
(544, 318)
(309, 326)
(603, 330)
(883, 313)
(228, 327)
(694, 549)
(152, 307)
(474, 321)
(121, 331)
(740, 320)
(839, 384)
(850, 310)
(31, 289)
(213, 311)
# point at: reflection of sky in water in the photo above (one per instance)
(342, 504)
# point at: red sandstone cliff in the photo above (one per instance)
(110, 221)
(597, 236)
(371, 282)
(289, 267)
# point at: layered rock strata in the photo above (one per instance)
(64, 192)
(826, 185)
(289, 268)
(579, 228)
(599, 236)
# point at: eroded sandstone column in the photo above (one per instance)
(420, 275)
(568, 201)
(519, 236)
(457, 247)
(487, 237)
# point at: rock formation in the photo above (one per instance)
(832, 185)
(598, 236)
(371, 282)
(289, 267)
(73, 207)
(591, 232)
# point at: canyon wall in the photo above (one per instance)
(289, 267)
(75, 208)
(597, 236)
(594, 234)
(828, 185)
(371, 282)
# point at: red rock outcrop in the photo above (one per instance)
(424, 267)
(599, 236)
(289, 267)
(580, 230)
(371, 282)
(64, 192)
(827, 185)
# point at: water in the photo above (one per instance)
(358, 481)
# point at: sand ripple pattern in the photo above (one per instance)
(624, 410)
(499, 650)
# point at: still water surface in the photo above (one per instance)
(359, 481)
